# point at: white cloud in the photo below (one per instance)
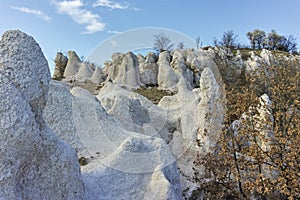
(114, 32)
(74, 9)
(37, 13)
(110, 4)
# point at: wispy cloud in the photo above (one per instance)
(110, 4)
(74, 8)
(37, 13)
(114, 32)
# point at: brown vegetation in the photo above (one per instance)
(258, 155)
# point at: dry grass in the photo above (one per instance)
(153, 93)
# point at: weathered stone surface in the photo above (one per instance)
(179, 64)
(35, 164)
(190, 55)
(133, 158)
(123, 163)
(182, 125)
(211, 111)
(189, 112)
(21, 59)
(98, 76)
(77, 70)
(132, 111)
(149, 70)
(167, 79)
(127, 140)
(141, 58)
(267, 57)
(85, 72)
(73, 64)
(60, 66)
(151, 58)
(148, 73)
(58, 114)
(125, 70)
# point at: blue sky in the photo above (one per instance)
(80, 25)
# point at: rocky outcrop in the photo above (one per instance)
(85, 72)
(181, 126)
(125, 70)
(133, 112)
(194, 122)
(129, 147)
(166, 78)
(98, 76)
(141, 58)
(60, 66)
(149, 70)
(73, 64)
(34, 162)
(58, 114)
(121, 164)
(81, 72)
(182, 66)
(211, 111)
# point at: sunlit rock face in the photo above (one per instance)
(149, 69)
(137, 126)
(167, 79)
(125, 70)
(34, 162)
(124, 161)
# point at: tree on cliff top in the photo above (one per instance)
(229, 40)
(162, 42)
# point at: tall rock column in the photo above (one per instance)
(34, 163)
(125, 70)
(60, 66)
(211, 110)
(73, 64)
(167, 79)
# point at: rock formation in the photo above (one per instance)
(181, 64)
(125, 70)
(149, 70)
(98, 76)
(211, 111)
(60, 66)
(85, 72)
(129, 147)
(181, 121)
(35, 163)
(166, 78)
(73, 64)
(121, 164)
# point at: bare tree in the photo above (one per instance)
(162, 42)
(288, 44)
(229, 40)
